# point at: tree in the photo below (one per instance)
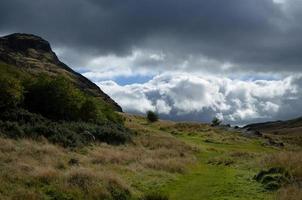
(216, 121)
(11, 93)
(90, 111)
(55, 98)
(152, 116)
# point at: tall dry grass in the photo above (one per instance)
(292, 162)
(30, 169)
(291, 192)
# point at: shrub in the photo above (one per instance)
(21, 123)
(58, 111)
(216, 121)
(89, 111)
(54, 98)
(11, 93)
(152, 116)
(58, 99)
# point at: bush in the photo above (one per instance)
(23, 124)
(11, 93)
(152, 116)
(54, 98)
(55, 109)
(216, 121)
(58, 99)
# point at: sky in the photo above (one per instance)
(238, 60)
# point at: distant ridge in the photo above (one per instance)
(34, 55)
(292, 127)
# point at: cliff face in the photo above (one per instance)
(34, 55)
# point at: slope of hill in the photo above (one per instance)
(291, 127)
(42, 97)
(289, 131)
(33, 55)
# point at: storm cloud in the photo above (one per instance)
(251, 35)
(193, 59)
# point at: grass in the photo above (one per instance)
(224, 171)
(165, 160)
(38, 169)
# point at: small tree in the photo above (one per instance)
(11, 93)
(216, 121)
(152, 116)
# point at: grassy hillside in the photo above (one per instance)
(289, 131)
(32, 55)
(165, 160)
(35, 106)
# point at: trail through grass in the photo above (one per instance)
(219, 182)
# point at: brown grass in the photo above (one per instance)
(99, 171)
(291, 192)
(292, 161)
(82, 178)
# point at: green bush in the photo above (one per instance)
(54, 98)
(19, 123)
(58, 99)
(52, 107)
(152, 116)
(11, 93)
(216, 121)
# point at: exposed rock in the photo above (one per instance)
(35, 56)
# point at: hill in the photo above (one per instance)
(291, 127)
(289, 131)
(33, 55)
(43, 97)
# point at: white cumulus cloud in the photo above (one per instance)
(195, 97)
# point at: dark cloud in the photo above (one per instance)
(252, 34)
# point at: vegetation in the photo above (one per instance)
(53, 108)
(216, 121)
(37, 169)
(58, 99)
(159, 161)
(11, 92)
(155, 196)
(290, 163)
(152, 116)
(165, 160)
(23, 124)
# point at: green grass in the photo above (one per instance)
(219, 182)
(182, 161)
(207, 181)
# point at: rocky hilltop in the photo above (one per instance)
(34, 55)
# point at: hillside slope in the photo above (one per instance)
(289, 127)
(34, 55)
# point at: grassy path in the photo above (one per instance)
(218, 182)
